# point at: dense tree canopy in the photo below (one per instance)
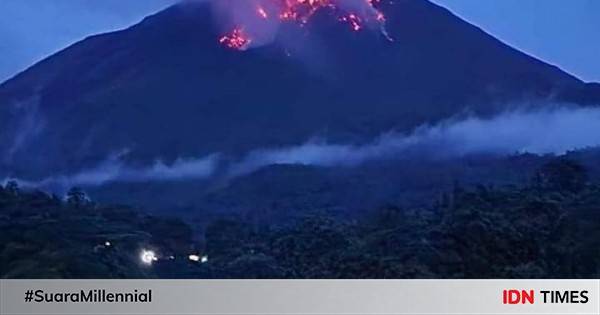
(549, 228)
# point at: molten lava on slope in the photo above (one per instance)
(356, 13)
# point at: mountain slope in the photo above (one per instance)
(165, 88)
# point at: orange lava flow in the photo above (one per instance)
(236, 39)
(301, 11)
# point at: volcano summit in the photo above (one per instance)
(172, 87)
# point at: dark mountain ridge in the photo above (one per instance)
(165, 88)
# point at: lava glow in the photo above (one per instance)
(262, 13)
(301, 11)
(354, 21)
(237, 39)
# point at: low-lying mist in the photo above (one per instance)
(115, 170)
(550, 131)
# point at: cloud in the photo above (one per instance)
(25, 123)
(554, 130)
(115, 170)
(551, 131)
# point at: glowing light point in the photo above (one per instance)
(262, 13)
(195, 258)
(107, 244)
(148, 257)
(204, 259)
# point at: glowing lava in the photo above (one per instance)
(262, 13)
(237, 39)
(354, 21)
(301, 11)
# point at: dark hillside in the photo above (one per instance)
(166, 88)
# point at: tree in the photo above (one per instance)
(562, 175)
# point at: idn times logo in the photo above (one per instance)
(514, 296)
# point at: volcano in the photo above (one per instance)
(168, 88)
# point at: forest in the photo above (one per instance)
(547, 227)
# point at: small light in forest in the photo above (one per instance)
(148, 257)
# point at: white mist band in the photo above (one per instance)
(294, 297)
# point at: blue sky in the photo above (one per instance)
(33, 29)
(562, 32)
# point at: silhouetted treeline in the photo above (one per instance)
(546, 228)
(44, 236)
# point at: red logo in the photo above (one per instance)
(518, 296)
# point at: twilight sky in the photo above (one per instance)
(561, 32)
